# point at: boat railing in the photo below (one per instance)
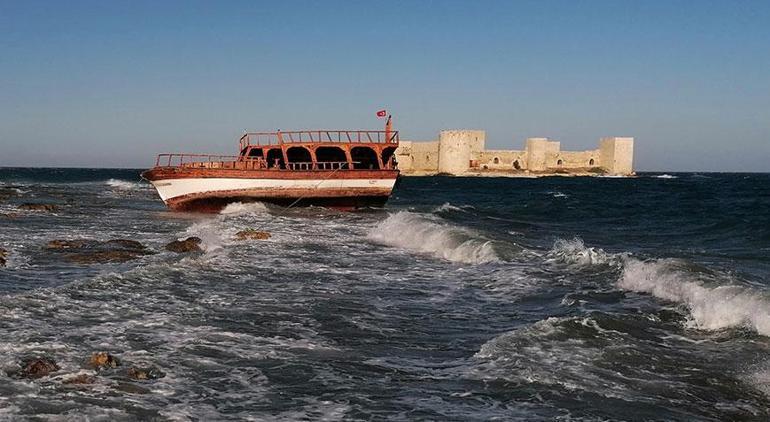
(235, 162)
(193, 160)
(321, 165)
(319, 136)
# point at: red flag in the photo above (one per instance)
(382, 113)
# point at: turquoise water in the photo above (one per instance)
(464, 299)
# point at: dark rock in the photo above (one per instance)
(251, 234)
(10, 215)
(39, 207)
(38, 367)
(85, 251)
(125, 244)
(3, 257)
(144, 374)
(191, 244)
(131, 388)
(103, 360)
(68, 244)
(80, 379)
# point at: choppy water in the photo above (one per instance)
(465, 299)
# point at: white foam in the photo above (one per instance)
(420, 233)
(211, 234)
(558, 194)
(446, 206)
(124, 184)
(244, 208)
(711, 307)
(575, 252)
(665, 176)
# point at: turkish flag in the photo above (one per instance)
(382, 113)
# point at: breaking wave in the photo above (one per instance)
(125, 184)
(665, 176)
(447, 207)
(711, 307)
(557, 194)
(575, 252)
(432, 236)
(244, 208)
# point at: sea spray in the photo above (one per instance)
(711, 307)
(575, 252)
(244, 208)
(421, 233)
(125, 184)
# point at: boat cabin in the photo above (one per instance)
(315, 150)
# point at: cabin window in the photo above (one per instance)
(330, 155)
(591, 162)
(496, 160)
(256, 152)
(298, 155)
(364, 158)
(559, 163)
(387, 153)
(274, 154)
(516, 165)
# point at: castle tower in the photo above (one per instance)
(539, 151)
(617, 155)
(457, 148)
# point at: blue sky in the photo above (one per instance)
(110, 84)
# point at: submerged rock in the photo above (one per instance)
(68, 244)
(86, 251)
(39, 207)
(103, 360)
(10, 215)
(191, 244)
(131, 388)
(144, 374)
(38, 367)
(3, 257)
(125, 244)
(80, 379)
(251, 234)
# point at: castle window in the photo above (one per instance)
(559, 163)
(496, 160)
(591, 162)
(516, 165)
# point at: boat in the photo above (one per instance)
(341, 169)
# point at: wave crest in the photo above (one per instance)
(244, 208)
(124, 184)
(419, 233)
(575, 252)
(711, 308)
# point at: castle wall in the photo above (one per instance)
(575, 159)
(417, 157)
(461, 151)
(505, 159)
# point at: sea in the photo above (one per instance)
(465, 299)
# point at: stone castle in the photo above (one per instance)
(462, 152)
